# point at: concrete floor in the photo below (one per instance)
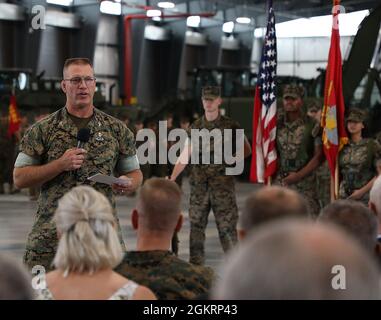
(17, 212)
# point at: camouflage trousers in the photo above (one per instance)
(216, 193)
(306, 187)
(323, 184)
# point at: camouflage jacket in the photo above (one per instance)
(296, 142)
(169, 277)
(221, 123)
(357, 165)
(48, 139)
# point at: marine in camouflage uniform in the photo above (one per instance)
(211, 188)
(47, 140)
(357, 161)
(322, 173)
(169, 277)
(298, 143)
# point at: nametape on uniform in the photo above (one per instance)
(102, 178)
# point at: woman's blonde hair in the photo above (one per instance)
(89, 241)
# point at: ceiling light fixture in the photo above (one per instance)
(110, 7)
(228, 27)
(153, 13)
(60, 2)
(243, 20)
(166, 5)
(193, 21)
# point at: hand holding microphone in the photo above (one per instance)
(73, 158)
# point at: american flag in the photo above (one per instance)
(264, 159)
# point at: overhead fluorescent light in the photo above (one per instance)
(243, 20)
(166, 5)
(110, 7)
(320, 26)
(156, 33)
(193, 21)
(228, 27)
(153, 13)
(60, 2)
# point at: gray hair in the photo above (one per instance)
(355, 218)
(89, 241)
(296, 260)
(15, 283)
(375, 196)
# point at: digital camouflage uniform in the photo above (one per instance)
(357, 161)
(212, 189)
(323, 184)
(47, 140)
(296, 142)
(169, 277)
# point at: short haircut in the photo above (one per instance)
(89, 241)
(270, 203)
(292, 259)
(15, 283)
(355, 218)
(160, 204)
(375, 196)
(77, 61)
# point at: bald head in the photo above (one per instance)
(270, 203)
(159, 205)
(298, 260)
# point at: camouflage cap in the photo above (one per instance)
(293, 91)
(211, 92)
(356, 115)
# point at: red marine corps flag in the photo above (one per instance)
(264, 158)
(14, 117)
(332, 120)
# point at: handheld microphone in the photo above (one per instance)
(83, 136)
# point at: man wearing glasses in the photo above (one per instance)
(50, 159)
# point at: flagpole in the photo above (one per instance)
(337, 180)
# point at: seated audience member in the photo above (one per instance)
(87, 252)
(298, 260)
(156, 217)
(354, 218)
(268, 204)
(15, 283)
(375, 203)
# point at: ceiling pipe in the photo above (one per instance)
(128, 45)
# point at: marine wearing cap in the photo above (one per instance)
(356, 115)
(293, 91)
(211, 92)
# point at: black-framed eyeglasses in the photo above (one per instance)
(77, 80)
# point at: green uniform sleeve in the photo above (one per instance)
(127, 160)
(32, 143)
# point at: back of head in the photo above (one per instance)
(89, 241)
(270, 203)
(159, 205)
(375, 197)
(298, 260)
(354, 218)
(15, 283)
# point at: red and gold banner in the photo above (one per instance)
(14, 117)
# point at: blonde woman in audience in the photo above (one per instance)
(87, 252)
